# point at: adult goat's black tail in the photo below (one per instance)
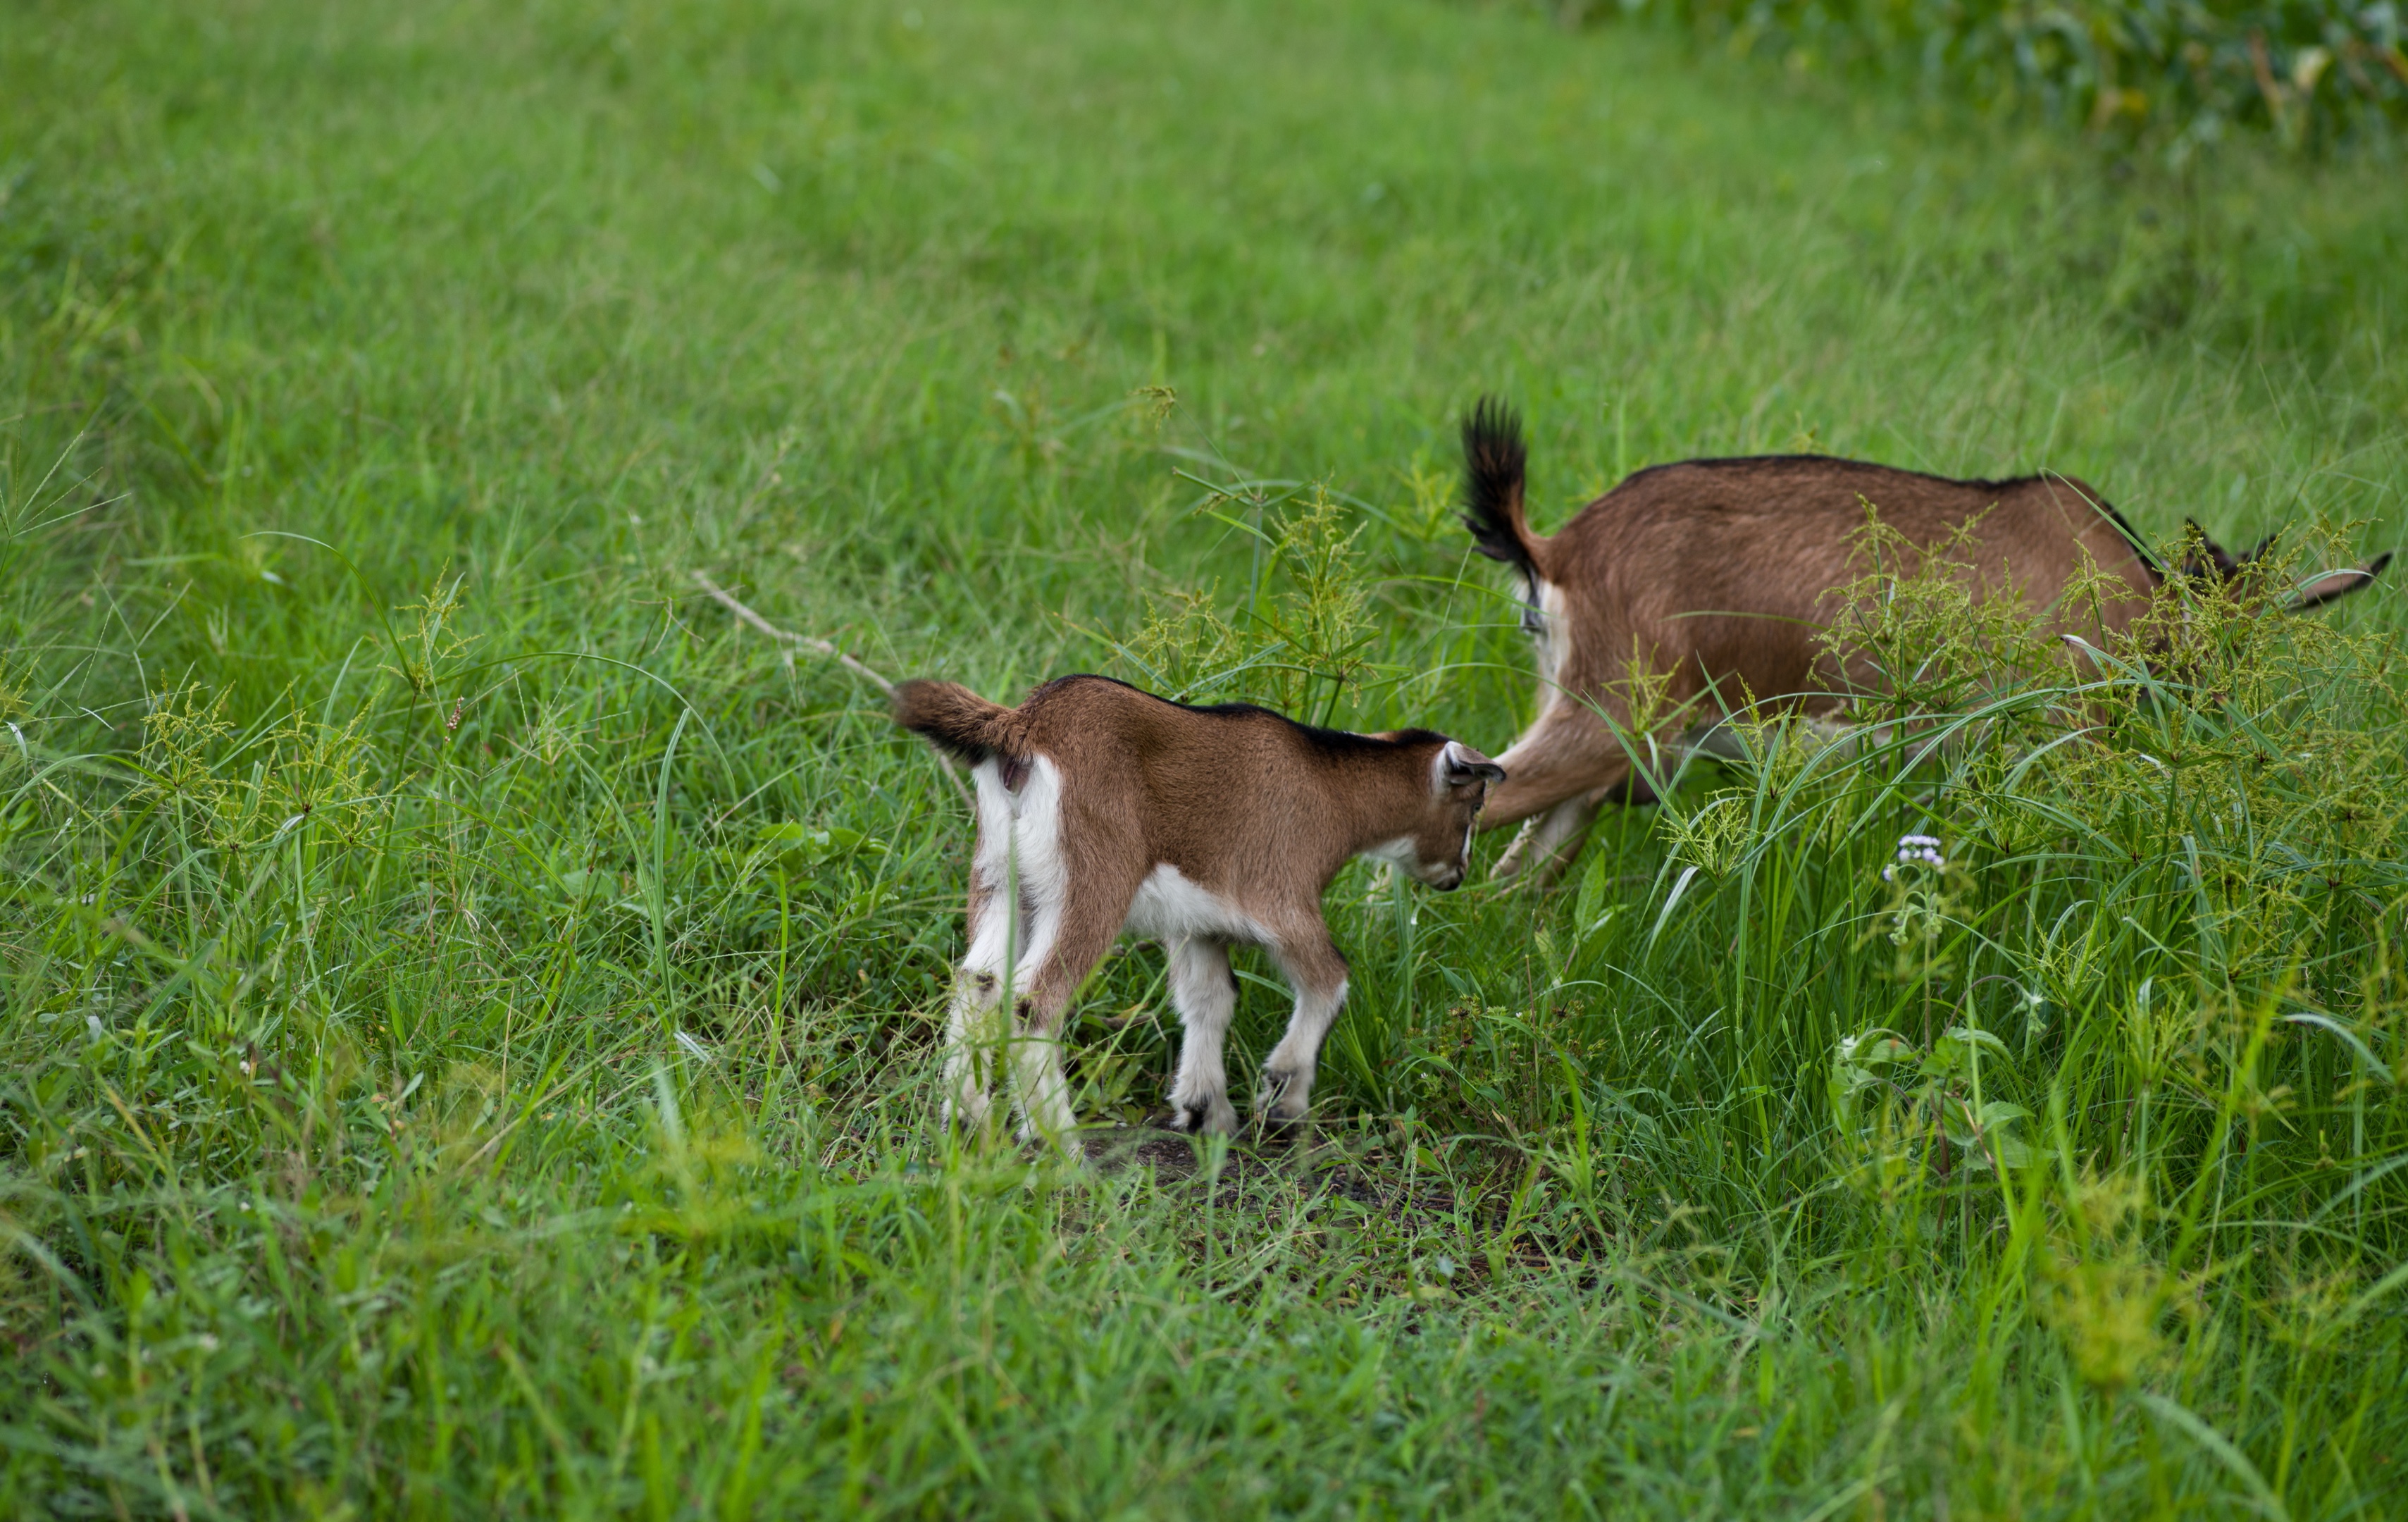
(1494, 460)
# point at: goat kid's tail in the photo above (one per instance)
(1494, 461)
(958, 720)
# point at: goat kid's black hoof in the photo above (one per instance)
(1194, 1120)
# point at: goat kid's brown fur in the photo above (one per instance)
(1718, 576)
(1103, 809)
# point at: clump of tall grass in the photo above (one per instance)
(1300, 631)
(2097, 957)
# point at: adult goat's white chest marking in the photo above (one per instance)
(1547, 631)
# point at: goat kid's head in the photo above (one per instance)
(1437, 850)
(2206, 560)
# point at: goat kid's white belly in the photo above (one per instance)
(1172, 907)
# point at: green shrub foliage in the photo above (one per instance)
(2315, 74)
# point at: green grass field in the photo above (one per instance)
(469, 1002)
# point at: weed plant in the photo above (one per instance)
(468, 995)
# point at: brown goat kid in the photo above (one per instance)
(1103, 810)
(1716, 576)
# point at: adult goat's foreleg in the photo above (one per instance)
(1548, 842)
(1560, 768)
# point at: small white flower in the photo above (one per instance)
(1919, 847)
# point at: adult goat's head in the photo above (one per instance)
(2204, 561)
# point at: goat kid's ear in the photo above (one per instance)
(1458, 765)
(2320, 590)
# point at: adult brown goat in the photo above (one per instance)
(1716, 577)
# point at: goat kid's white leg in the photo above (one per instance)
(1287, 1076)
(975, 1028)
(1039, 1082)
(973, 1036)
(1044, 1091)
(1205, 994)
(1026, 869)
